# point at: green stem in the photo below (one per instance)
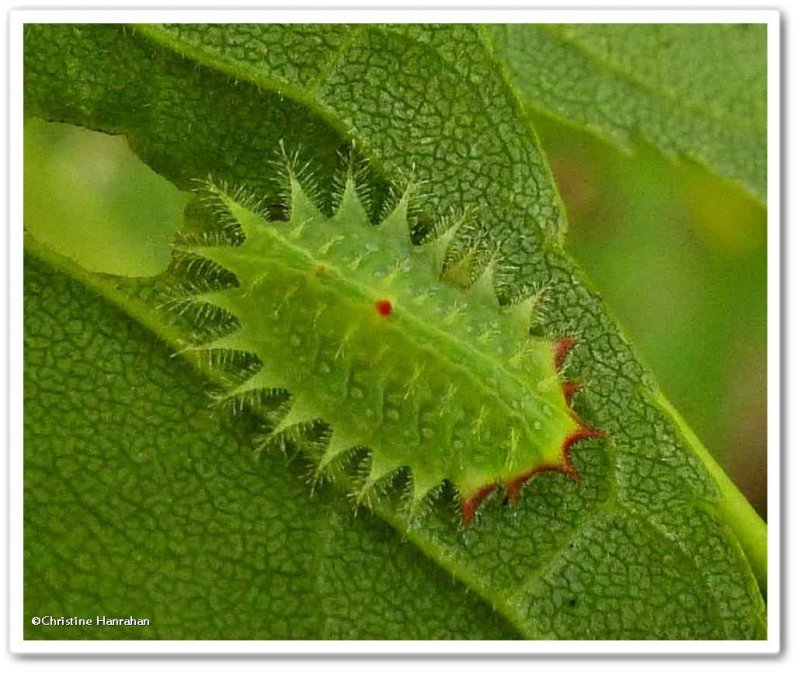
(736, 511)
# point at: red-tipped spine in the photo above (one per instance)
(562, 349)
(514, 486)
(569, 388)
(471, 504)
(570, 440)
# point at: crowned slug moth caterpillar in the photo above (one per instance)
(357, 323)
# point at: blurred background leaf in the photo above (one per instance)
(697, 91)
(694, 300)
(89, 196)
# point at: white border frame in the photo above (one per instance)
(18, 644)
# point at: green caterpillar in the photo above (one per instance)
(357, 323)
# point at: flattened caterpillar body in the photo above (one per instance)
(355, 322)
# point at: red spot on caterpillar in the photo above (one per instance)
(563, 347)
(470, 505)
(383, 307)
(569, 388)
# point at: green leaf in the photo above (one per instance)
(692, 90)
(140, 501)
(648, 544)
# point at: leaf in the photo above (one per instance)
(140, 501)
(645, 544)
(692, 90)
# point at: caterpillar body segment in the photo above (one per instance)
(358, 325)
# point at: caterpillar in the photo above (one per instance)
(394, 350)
